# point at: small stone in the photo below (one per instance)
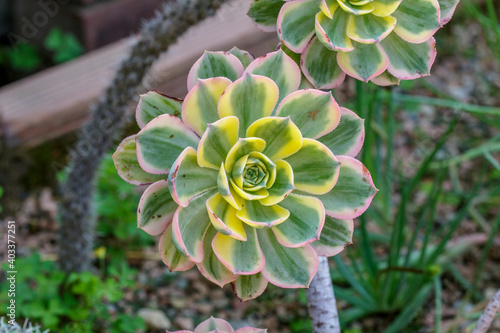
(220, 303)
(185, 323)
(200, 287)
(155, 319)
(489, 293)
(205, 308)
(178, 303)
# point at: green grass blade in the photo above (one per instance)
(397, 239)
(410, 311)
(361, 276)
(458, 276)
(351, 314)
(453, 226)
(355, 284)
(427, 208)
(353, 299)
(430, 222)
(470, 108)
(425, 165)
(366, 248)
(388, 160)
(492, 160)
(363, 94)
(488, 147)
(438, 301)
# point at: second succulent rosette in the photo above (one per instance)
(250, 178)
(217, 325)
(383, 41)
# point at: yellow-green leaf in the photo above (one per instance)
(249, 98)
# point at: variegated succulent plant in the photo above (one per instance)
(216, 325)
(250, 178)
(382, 41)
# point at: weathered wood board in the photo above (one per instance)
(56, 101)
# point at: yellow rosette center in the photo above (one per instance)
(252, 174)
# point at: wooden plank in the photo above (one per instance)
(55, 102)
(105, 22)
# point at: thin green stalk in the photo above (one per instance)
(361, 102)
(410, 311)
(471, 108)
(390, 282)
(440, 94)
(453, 226)
(360, 105)
(492, 160)
(429, 205)
(462, 280)
(353, 299)
(455, 179)
(376, 106)
(351, 314)
(388, 159)
(357, 270)
(368, 146)
(487, 148)
(345, 271)
(430, 222)
(438, 301)
(366, 249)
(494, 21)
(427, 162)
(479, 219)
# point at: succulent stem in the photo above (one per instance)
(321, 301)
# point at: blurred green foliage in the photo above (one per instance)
(116, 207)
(23, 57)
(86, 302)
(26, 58)
(413, 237)
(76, 302)
(64, 46)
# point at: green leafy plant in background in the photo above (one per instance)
(382, 41)
(116, 208)
(23, 57)
(63, 45)
(220, 326)
(489, 21)
(260, 175)
(70, 303)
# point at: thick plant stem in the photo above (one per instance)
(110, 114)
(489, 314)
(321, 301)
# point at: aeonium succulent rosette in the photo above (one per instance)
(383, 41)
(216, 325)
(250, 178)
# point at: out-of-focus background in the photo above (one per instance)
(426, 255)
